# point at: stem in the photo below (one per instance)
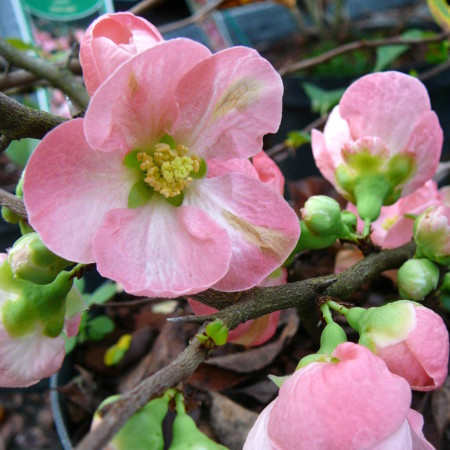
(326, 313)
(366, 230)
(337, 307)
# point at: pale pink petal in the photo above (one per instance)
(257, 438)
(72, 325)
(69, 187)
(268, 171)
(26, 360)
(218, 167)
(109, 41)
(425, 145)
(400, 440)
(145, 109)
(161, 250)
(228, 102)
(388, 105)
(415, 421)
(262, 227)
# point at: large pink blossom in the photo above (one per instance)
(382, 140)
(351, 402)
(394, 227)
(87, 185)
(109, 41)
(31, 355)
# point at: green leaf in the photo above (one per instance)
(387, 54)
(140, 194)
(169, 140)
(105, 292)
(98, 327)
(21, 45)
(70, 343)
(322, 100)
(201, 171)
(296, 139)
(131, 161)
(20, 151)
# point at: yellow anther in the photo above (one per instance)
(167, 170)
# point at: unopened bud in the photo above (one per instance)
(32, 261)
(322, 215)
(417, 278)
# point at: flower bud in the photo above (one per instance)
(416, 278)
(32, 261)
(432, 234)
(411, 339)
(322, 215)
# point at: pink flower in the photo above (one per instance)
(411, 339)
(381, 142)
(109, 41)
(99, 190)
(432, 234)
(253, 332)
(30, 354)
(351, 402)
(394, 228)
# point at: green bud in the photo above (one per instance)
(309, 241)
(10, 216)
(218, 332)
(322, 216)
(185, 433)
(32, 261)
(416, 278)
(350, 220)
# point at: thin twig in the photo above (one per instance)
(60, 78)
(358, 45)
(198, 17)
(142, 6)
(14, 203)
(258, 302)
(18, 121)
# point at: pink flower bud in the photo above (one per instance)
(411, 339)
(432, 234)
(351, 402)
(111, 40)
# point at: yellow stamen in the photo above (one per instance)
(167, 170)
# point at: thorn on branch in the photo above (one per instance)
(192, 319)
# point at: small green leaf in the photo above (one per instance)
(140, 194)
(387, 54)
(116, 353)
(201, 171)
(296, 139)
(169, 140)
(322, 100)
(177, 200)
(70, 343)
(131, 161)
(21, 45)
(99, 326)
(105, 292)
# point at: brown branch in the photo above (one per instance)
(14, 203)
(358, 45)
(258, 302)
(198, 17)
(58, 77)
(18, 121)
(143, 5)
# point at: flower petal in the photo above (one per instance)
(161, 250)
(135, 106)
(387, 105)
(228, 102)
(268, 171)
(69, 187)
(262, 227)
(425, 145)
(25, 361)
